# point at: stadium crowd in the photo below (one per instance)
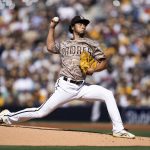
(28, 72)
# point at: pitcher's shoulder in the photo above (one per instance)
(92, 42)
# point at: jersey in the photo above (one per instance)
(70, 51)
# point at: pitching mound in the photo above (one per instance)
(39, 136)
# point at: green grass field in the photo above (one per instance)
(72, 148)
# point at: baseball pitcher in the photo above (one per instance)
(80, 56)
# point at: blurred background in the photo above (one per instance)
(28, 72)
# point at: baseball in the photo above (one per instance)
(56, 19)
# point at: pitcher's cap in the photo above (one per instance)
(78, 19)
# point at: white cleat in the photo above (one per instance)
(124, 134)
(3, 118)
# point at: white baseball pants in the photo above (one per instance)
(65, 92)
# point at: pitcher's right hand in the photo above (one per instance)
(54, 22)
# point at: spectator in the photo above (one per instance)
(123, 29)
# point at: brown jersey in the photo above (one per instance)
(70, 51)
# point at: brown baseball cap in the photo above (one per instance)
(78, 19)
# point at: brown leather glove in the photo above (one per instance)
(87, 62)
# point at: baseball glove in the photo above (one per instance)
(86, 62)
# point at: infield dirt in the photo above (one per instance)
(46, 136)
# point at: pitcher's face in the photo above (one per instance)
(79, 28)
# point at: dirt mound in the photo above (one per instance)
(42, 136)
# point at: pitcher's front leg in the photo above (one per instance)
(95, 92)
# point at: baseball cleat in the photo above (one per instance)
(124, 134)
(2, 115)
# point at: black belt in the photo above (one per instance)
(73, 81)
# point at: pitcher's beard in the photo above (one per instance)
(82, 34)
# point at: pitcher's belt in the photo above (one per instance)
(73, 81)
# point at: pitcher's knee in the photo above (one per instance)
(110, 93)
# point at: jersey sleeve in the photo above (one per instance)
(97, 52)
(56, 48)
